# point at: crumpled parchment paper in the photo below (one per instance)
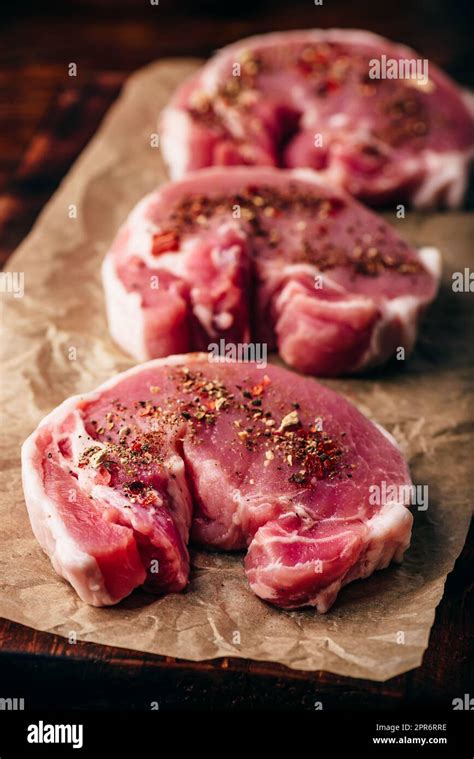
(55, 343)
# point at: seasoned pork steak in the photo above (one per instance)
(239, 457)
(269, 255)
(312, 99)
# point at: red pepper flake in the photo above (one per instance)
(331, 85)
(259, 389)
(163, 242)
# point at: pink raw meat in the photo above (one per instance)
(269, 461)
(272, 255)
(306, 98)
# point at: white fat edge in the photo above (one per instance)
(256, 500)
(360, 133)
(356, 517)
(108, 496)
(204, 315)
(178, 490)
(125, 314)
(57, 416)
(388, 537)
(308, 175)
(175, 131)
(232, 121)
(351, 301)
(261, 589)
(299, 100)
(295, 537)
(432, 261)
(388, 435)
(238, 517)
(389, 534)
(324, 599)
(334, 176)
(79, 438)
(68, 559)
(225, 255)
(240, 241)
(289, 271)
(141, 229)
(392, 516)
(404, 309)
(80, 441)
(310, 115)
(225, 251)
(277, 563)
(445, 177)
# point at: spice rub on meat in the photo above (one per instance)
(228, 456)
(317, 99)
(269, 255)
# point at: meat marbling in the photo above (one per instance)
(234, 455)
(272, 255)
(307, 99)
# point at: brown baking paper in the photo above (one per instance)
(56, 343)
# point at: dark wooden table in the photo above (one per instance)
(47, 118)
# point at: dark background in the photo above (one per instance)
(46, 119)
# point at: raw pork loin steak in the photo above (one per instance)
(267, 254)
(271, 462)
(307, 99)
